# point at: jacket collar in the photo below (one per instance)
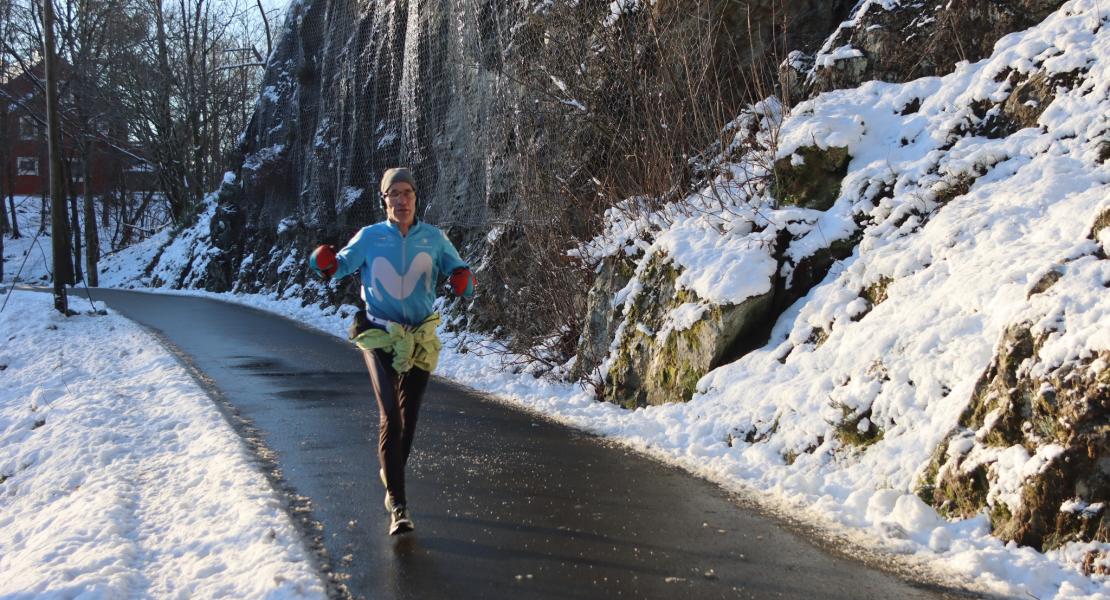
(393, 226)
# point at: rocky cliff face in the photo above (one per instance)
(449, 88)
(353, 88)
(1054, 416)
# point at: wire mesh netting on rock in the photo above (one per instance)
(522, 121)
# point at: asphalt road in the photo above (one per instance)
(506, 505)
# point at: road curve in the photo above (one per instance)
(506, 505)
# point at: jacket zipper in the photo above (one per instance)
(404, 272)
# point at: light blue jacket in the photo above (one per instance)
(399, 273)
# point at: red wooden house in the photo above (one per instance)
(25, 144)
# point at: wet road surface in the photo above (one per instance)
(506, 505)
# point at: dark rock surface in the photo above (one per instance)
(923, 38)
(353, 88)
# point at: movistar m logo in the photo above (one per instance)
(384, 278)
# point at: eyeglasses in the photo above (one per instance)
(398, 194)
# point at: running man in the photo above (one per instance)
(399, 260)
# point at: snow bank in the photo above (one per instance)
(118, 476)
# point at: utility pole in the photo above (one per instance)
(59, 234)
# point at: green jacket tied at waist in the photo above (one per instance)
(411, 346)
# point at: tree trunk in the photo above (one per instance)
(75, 226)
(92, 236)
(106, 210)
(10, 170)
(59, 236)
(266, 24)
(7, 174)
(5, 227)
(168, 151)
(117, 231)
(120, 200)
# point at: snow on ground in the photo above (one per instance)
(27, 258)
(875, 516)
(119, 478)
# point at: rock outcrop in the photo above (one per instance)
(910, 40)
(1060, 420)
(811, 177)
(601, 323)
(1043, 425)
(670, 338)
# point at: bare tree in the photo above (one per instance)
(188, 89)
(62, 272)
(7, 171)
(91, 32)
(266, 26)
(168, 84)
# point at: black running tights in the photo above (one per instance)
(399, 399)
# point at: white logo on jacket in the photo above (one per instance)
(383, 277)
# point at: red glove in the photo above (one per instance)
(463, 282)
(323, 261)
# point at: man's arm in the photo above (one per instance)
(352, 256)
(461, 279)
(329, 264)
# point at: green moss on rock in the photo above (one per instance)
(815, 183)
(876, 292)
(600, 321)
(850, 434)
(648, 368)
(992, 391)
(963, 496)
(926, 484)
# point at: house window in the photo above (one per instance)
(77, 170)
(29, 129)
(27, 165)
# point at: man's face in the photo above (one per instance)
(400, 203)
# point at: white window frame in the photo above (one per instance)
(21, 165)
(29, 128)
